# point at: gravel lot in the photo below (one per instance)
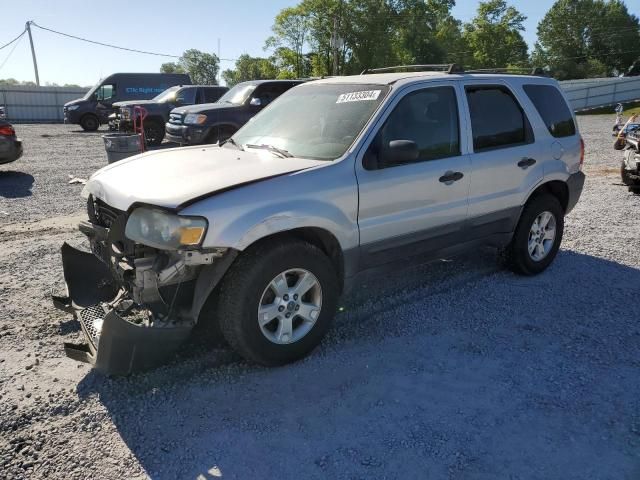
(454, 370)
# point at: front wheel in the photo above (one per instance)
(153, 133)
(90, 123)
(278, 301)
(537, 238)
(626, 176)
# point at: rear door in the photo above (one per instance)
(421, 206)
(506, 160)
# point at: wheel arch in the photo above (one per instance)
(317, 236)
(557, 188)
(89, 114)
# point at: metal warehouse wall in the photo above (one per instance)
(37, 104)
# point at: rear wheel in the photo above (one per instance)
(89, 123)
(538, 235)
(277, 301)
(153, 133)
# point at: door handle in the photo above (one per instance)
(526, 162)
(450, 177)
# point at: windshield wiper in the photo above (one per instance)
(232, 142)
(271, 148)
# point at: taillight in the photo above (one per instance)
(7, 130)
(581, 153)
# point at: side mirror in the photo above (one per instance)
(400, 151)
(255, 102)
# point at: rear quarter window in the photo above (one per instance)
(552, 108)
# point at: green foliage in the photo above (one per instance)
(250, 68)
(202, 67)
(494, 37)
(587, 38)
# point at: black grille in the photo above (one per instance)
(103, 214)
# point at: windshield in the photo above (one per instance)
(168, 95)
(238, 94)
(314, 121)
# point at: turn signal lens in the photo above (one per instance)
(191, 235)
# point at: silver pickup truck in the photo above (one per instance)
(336, 177)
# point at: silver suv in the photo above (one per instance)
(335, 177)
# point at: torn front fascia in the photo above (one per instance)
(98, 296)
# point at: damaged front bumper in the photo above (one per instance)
(118, 343)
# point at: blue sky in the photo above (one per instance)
(162, 26)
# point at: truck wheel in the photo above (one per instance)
(89, 123)
(220, 134)
(626, 177)
(277, 301)
(537, 238)
(153, 133)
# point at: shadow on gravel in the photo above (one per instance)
(15, 184)
(457, 376)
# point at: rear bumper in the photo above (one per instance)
(575, 184)
(10, 149)
(114, 345)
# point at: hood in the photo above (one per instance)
(133, 103)
(168, 178)
(75, 102)
(204, 108)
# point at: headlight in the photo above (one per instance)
(73, 107)
(164, 230)
(195, 119)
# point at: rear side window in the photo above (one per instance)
(497, 120)
(552, 108)
(212, 95)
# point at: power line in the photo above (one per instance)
(104, 44)
(18, 38)
(7, 44)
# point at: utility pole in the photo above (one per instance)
(33, 53)
(334, 45)
(219, 63)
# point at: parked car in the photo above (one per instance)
(212, 123)
(10, 144)
(337, 177)
(158, 108)
(94, 108)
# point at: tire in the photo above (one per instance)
(248, 284)
(220, 134)
(517, 255)
(153, 133)
(89, 123)
(626, 177)
(619, 144)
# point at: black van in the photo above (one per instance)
(94, 108)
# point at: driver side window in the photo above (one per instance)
(428, 118)
(105, 92)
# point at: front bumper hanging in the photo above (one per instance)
(115, 346)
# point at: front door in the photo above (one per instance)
(421, 205)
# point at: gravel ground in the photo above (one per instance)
(455, 370)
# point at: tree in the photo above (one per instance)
(494, 36)
(290, 30)
(202, 67)
(587, 38)
(171, 67)
(250, 68)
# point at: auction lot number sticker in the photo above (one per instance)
(359, 96)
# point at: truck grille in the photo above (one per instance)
(175, 118)
(91, 319)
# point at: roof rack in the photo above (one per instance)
(451, 68)
(435, 67)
